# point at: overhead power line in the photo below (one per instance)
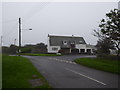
(12, 30)
(8, 21)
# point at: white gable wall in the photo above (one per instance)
(53, 49)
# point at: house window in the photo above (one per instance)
(54, 49)
(65, 42)
(80, 42)
(73, 42)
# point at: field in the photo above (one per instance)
(17, 71)
(100, 64)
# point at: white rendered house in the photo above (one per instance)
(68, 44)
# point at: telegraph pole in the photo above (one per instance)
(19, 51)
(19, 36)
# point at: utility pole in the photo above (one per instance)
(19, 36)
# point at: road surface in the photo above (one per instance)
(62, 72)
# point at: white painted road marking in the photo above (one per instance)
(74, 63)
(70, 62)
(85, 76)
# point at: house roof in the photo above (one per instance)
(58, 40)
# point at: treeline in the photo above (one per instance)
(29, 48)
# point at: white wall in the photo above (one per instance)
(50, 47)
(83, 46)
(80, 46)
(53, 51)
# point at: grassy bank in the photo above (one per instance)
(32, 54)
(17, 71)
(0, 70)
(100, 64)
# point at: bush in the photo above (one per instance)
(26, 50)
(106, 56)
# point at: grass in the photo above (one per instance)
(16, 72)
(100, 64)
(32, 54)
(0, 70)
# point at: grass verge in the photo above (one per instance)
(0, 70)
(17, 71)
(32, 54)
(100, 64)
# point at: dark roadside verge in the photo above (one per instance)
(103, 64)
(19, 72)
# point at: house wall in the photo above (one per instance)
(83, 46)
(53, 49)
(80, 46)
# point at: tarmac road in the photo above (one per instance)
(62, 72)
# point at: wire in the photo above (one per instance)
(11, 30)
(8, 21)
(35, 10)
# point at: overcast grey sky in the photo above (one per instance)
(56, 18)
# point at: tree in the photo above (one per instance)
(40, 48)
(104, 46)
(13, 49)
(25, 50)
(5, 50)
(41, 45)
(110, 28)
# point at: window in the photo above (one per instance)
(54, 49)
(80, 42)
(73, 42)
(65, 42)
